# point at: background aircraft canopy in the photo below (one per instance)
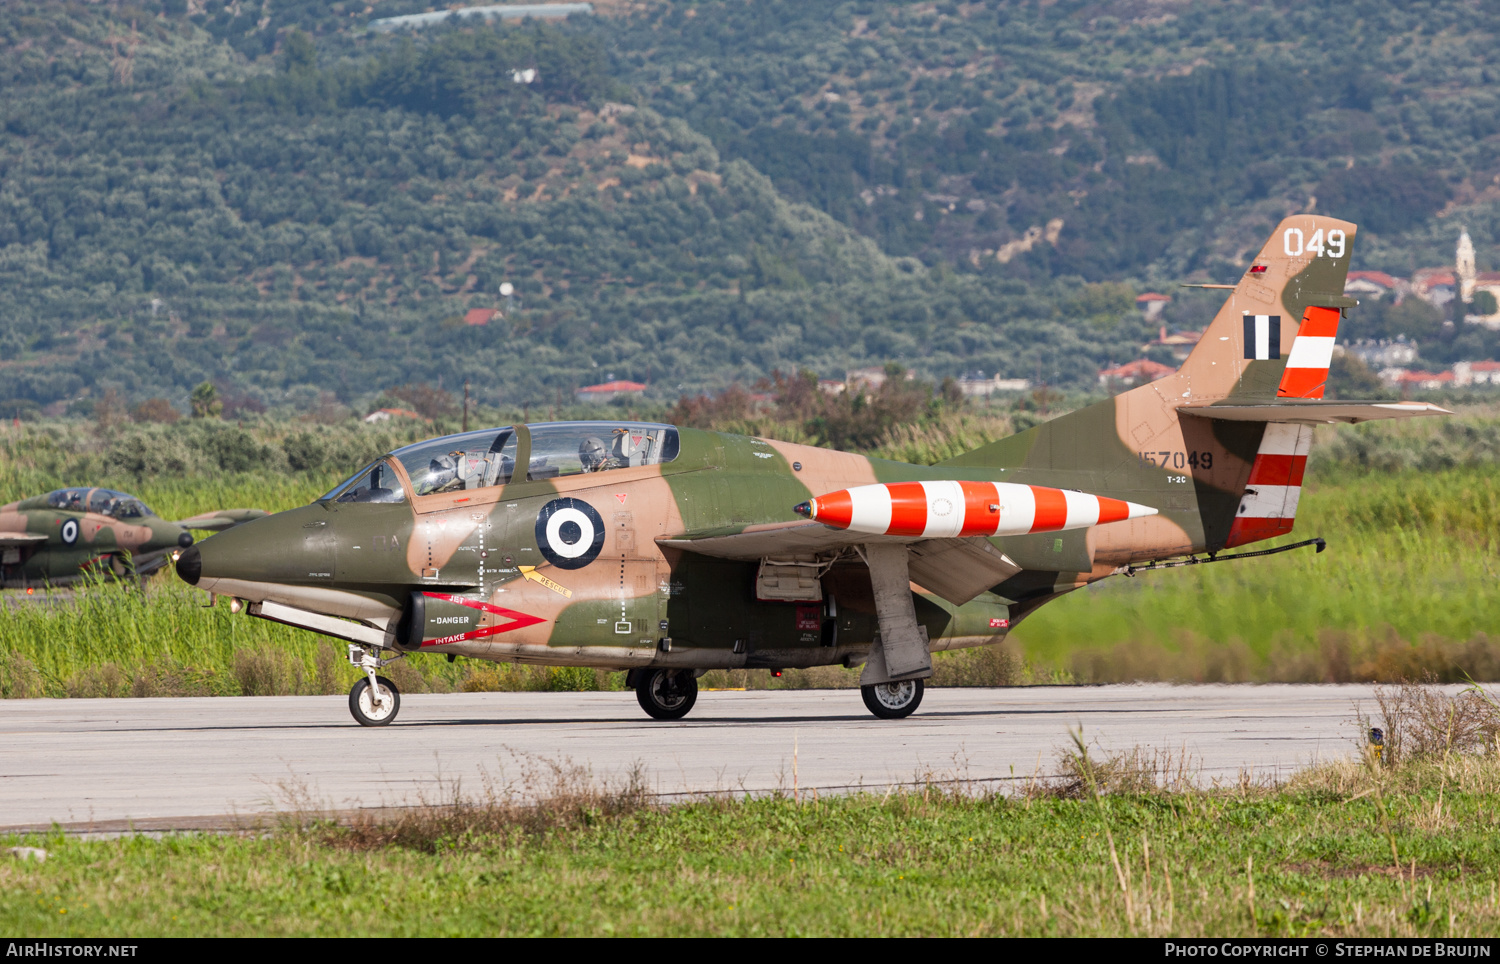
(120, 505)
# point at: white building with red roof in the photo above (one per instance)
(610, 391)
(1135, 373)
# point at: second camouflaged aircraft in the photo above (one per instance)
(669, 551)
(69, 535)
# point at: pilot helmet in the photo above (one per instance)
(592, 453)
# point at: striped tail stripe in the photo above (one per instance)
(1269, 505)
(948, 509)
(1306, 372)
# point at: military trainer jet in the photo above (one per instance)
(669, 551)
(71, 534)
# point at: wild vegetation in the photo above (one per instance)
(1099, 844)
(302, 210)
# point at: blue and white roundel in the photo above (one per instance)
(70, 531)
(570, 533)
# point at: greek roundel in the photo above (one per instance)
(570, 533)
(70, 531)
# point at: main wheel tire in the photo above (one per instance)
(667, 694)
(893, 701)
(362, 705)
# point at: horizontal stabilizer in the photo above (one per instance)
(1308, 410)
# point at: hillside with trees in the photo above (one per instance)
(275, 198)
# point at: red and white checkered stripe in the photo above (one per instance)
(1269, 505)
(1312, 351)
(938, 510)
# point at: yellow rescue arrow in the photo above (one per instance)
(529, 572)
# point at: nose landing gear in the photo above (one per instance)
(374, 700)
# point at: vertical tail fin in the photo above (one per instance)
(1289, 298)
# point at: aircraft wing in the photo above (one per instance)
(16, 539)
(957, 569)
(222, 519)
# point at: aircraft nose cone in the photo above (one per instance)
(185, 540)
(190, 565)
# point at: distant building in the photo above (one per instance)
(610, 391)
(1488, 282)
(1135, 373)
(870, 379)
(1476, 373)
(1152, 303)
(1417, 380)
(1180, 344)
(1463, 264)
(1376, 284)
(509, 11)
(479, 316)
(1383, 353)
(1436, 286)
(976, 385)
(832, 386)
(386, 414)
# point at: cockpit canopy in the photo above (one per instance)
(120, 505)
(476, 460)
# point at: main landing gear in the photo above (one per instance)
(666, 694)
(893, 701)
(374, 700)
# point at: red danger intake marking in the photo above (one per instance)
(518, 620)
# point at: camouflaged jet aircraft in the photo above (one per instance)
(64, 536)
(670, 551)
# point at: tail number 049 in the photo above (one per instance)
(1332, 247)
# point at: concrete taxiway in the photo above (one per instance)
(205, 763)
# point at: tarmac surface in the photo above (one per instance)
(160, 764)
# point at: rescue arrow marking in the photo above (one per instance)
(529, 572)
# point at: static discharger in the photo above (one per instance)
(938, 510)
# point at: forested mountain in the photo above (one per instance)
(272, 196)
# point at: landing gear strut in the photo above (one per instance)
(893, 701)
(374, 700)
(666, 694)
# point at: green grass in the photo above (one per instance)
(1313, 858)
(1408, 576)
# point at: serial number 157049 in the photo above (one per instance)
(1178, 460)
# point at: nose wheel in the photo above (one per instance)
(374, 700)
(374, 705)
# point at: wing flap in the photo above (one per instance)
(959, 569)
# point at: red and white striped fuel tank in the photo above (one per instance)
(937, 510)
